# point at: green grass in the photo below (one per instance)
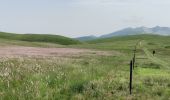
(90, 77)
(39, 38)
(6, 42)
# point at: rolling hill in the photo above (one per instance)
(39, 38)
(130, 37)
(126, 43)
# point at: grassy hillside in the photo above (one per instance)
(151, 76)
(6, 43)
(92, 76)
(126, 43)
(39, 38)
(131, 37)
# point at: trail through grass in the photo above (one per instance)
(154, 59)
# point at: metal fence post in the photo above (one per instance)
(133, 63)
(130, 84)
(134, 58)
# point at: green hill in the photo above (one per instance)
(39, 38)
(130, 37)
(127, 43)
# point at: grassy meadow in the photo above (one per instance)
(89, 77)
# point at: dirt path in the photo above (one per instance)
(38, 52)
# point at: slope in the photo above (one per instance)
(39, 38)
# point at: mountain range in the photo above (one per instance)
(131, 31)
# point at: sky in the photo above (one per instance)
(74, 18)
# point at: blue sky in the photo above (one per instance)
(81, 17)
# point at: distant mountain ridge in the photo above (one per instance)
(87, 38)
(139, 30)
(157, 30)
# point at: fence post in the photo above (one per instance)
(134, 58)
(92, 76)
(133, 63)
(130, 84)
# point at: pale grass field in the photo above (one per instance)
(52, 73)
